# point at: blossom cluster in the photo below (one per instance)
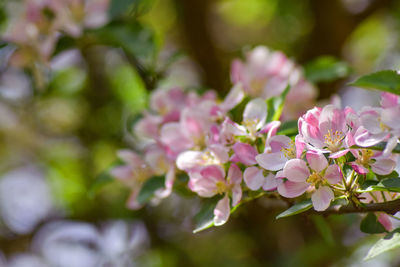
(226, 155)
(43, 22)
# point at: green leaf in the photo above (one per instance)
(275, 105)
(324, 229)
(149, 188)
(288, 128)
(389, 184)
(296, 209)
(371, 225)
(99, 182)
(133, 37)
(119, 7)
(389, 242)
(326, 69)
(386, 80)
(205, 218)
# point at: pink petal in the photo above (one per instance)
(271, 161)
(235, 174)
(359, 168)
(322, 198)
(296, 170)
(271, 183)
(222, 211)
(245, 153)
(172, 136)
(236, 194)
(384, 219)
(383, 166)
(389, 100)
(300, 144)
(339, 154)
(276, 143)
(214, 171)
(255, 111)
(292, 189)
(333, 174)
(234, 97)
(254, 178)
(317, 161)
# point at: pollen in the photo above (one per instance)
(221, 187)
(333, 140)
(315, 178)
(365, 157)
(290, 152)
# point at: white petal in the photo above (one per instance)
(222, 211)
(296, 170)
(317, 161)
(271, 161)
(255, 111)
(322, 198)
(254, 178)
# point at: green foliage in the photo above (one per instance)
(371, 225)
(324, 229)
(149, 188)
(296, 209)
(100, 181)
(386, 80)
(129, 88)
(387, 243)
(119, 7)
(275, 105)
(205, 218)
(326, 69)
(288, 128)
(136, 40)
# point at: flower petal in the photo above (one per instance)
(296, 170)
(255, 112)
(271, 161)
(292, 189)
(222, 211)
(254, 178)
(235, 174)
(271, 183)
(322, 198)
(317, 161)
(383, 166)
(333, 174)
(245, 153)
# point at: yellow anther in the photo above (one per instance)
(221, 187)
(290, 152)
(365, 157)
(315, 178)
(333, 140)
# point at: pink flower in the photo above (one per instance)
(133, 174)
(328, 130)
(211, 181)
(317, 174)
(266, 74)
(380, 124)
(278, 150)
(366, 159)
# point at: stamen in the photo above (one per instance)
(333, 140)
(290, 152)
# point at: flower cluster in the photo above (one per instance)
(40, 26)
(227, 156)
